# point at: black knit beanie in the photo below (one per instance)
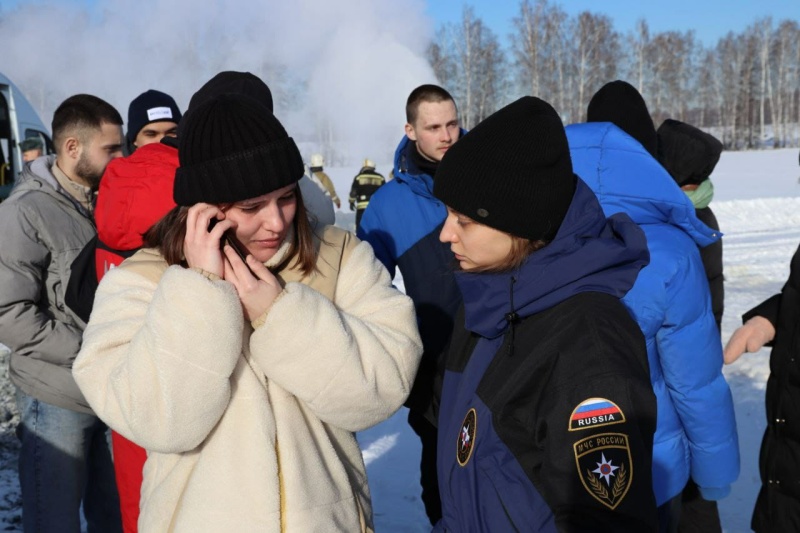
(689, 154)
(151, 106)
(231, 81)
(232, 148)
(620, 103)
(511, 172)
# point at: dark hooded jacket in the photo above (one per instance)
(778, 506)
(711, 256)
(545, 410)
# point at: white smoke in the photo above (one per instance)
(338, 70)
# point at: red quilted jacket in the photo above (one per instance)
(135, 192)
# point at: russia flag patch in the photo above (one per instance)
(595, 412)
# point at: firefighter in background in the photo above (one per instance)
(364, 186)
(317, 172)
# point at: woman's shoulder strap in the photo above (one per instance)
(334, 246)
(147, 262)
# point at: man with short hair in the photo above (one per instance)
(31, 148)
(402, 223)
(136, 191)
(152, 116)
(64, 461)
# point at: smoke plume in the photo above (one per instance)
(339, 71)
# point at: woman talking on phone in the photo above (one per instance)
(245, 380)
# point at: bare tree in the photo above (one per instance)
(639, 44)
(749, 84)
(743, 86)
(529, 43)
(558, 61)
(597, 49)
(540, 51)
(478, 68)
(786, 74)
(736, 56)
(669, 56)
(441, 62)
(492, 79)
(763, 38)
(708, 89)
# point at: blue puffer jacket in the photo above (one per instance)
(696, 433)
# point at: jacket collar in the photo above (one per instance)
(38, 175)
(420, 183)
(407, 172)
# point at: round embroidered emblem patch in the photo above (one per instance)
(605, 467)
(466, 437)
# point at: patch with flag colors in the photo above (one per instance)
(595, 412)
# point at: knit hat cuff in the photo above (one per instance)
(547, 205)
(248, 174)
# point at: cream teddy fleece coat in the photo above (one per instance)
(250, 430)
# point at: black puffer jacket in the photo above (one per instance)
(712, 262)
(778, 505)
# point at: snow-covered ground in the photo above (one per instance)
(757, 203)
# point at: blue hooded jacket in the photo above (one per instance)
(521, 377)
(402, 224)
(402, 212)
(696, 432)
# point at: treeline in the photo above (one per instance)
(745, 89)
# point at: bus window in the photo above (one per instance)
(49, 148)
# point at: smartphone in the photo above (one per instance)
(238, 247)
(229, 238)
(224, 239)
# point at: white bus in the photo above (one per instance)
(18, 121)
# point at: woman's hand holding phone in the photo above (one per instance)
(256, 285)
(205, 226)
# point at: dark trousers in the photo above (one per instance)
(359, 214)
(669, 514)
(427, 465)
(698, 515)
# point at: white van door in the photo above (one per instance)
(18, 121)
(7, 164)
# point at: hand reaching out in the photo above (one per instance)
(751, 337)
